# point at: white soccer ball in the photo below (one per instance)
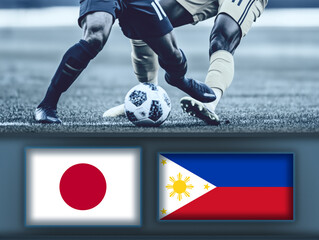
(147, 105)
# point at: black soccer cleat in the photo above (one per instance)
(199, 110)
(46, 115)
(198, 90)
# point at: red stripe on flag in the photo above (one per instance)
(239, 203)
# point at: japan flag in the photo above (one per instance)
(83, 186)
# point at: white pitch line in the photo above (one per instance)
(6, 124)
(67, 16)
(79, 124)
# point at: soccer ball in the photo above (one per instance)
(147, 105)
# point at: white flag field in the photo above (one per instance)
(83, 186)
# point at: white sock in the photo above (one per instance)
(212, 105)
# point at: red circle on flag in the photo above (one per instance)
(82, 186)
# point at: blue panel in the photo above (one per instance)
(239, 170)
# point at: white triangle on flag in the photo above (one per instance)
(170, 172)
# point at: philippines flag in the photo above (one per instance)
(83, 186)
(226, 187)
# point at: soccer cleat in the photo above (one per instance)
(46, 115)
(198, 109)
(117, 111)
(198, 90)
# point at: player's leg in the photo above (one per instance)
(174, 62)
(232, 23)
(97, 27)
(144, 60)
(224, 39)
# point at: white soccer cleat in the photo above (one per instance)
(117, 111)
(198, 109)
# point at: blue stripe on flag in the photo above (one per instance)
(239, 170)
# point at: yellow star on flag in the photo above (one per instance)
(163, 162)
(163, 211)
(206, 186)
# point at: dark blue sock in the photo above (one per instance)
(74, 61)
(174, 72)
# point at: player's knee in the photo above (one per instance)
(97, 30)
(225, 35)
(96, 41)
(96, 37)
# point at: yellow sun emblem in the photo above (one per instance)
(179, 186)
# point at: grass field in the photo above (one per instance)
(275, 87)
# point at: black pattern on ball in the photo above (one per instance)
(151, 86)
(156, 111)
(138, 98)
(131, 116)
